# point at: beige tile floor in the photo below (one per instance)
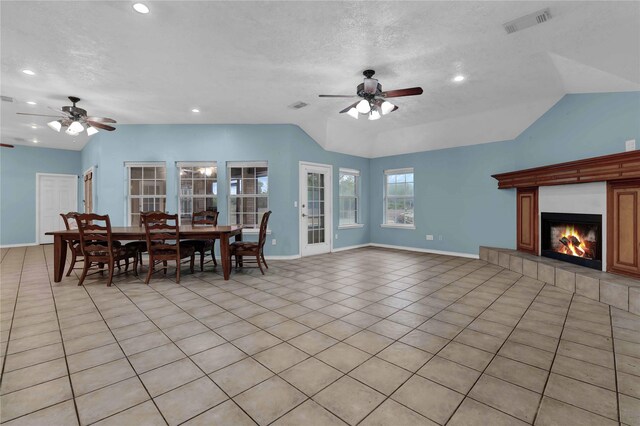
(368, 336)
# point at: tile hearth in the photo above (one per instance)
(368, 336)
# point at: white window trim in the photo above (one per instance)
(355, 173)
(397, 225)
(231, 164)
(384, 204)
(127, 182)
(352, 226)
(179, 165)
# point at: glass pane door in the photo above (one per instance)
(315, 208)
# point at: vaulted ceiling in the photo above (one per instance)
(247, 62)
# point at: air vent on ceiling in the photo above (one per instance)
(20, 140)
(298, 105)
(528, 21)
(6, 98)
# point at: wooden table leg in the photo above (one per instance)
(239, 238)
(224, 253)
(59, 257)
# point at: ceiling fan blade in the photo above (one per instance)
(349, 107)
(337, 96)
(40, 115)
(6, 145)
(102, 119)
(100, 125)
(59, 111)
(412, 91)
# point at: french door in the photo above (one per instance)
(55, 194)
(316, 210)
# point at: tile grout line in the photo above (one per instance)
(553, 360)
(615, 365)
(13, 314)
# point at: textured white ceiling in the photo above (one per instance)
(245, 62)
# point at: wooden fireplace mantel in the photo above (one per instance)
(625, 165)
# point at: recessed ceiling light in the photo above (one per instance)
(35, 141)
(33, 126)
(458, 78)
(195, 110)
(28, 72)
(141, 8)
(31, 103)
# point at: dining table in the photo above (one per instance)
(128, 233)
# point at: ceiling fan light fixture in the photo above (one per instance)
(386, 107)
(353, 113)
(75, 128)
(91, 130)
(374, 114)
(363, 106)
(55, 125)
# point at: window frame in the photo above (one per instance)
(246, 164)
(386, 174)
(129, 197)
(193, 164)
(356, 173)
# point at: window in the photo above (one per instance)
(147, 189)
(248, 193)
(198, 183)
(398, 192)
(349, 183)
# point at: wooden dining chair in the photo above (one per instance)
(239, 249)
(163, 243)
(74, 245)
(204, 218)
(141, 245)
(97, 246)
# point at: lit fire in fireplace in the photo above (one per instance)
(575, 244)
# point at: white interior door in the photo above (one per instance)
(316, 212)
(55, 194)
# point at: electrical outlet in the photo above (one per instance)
(295, 204)
(336, 236)
(630, 145)
(429, 237)
(440, 237)
(273, 242)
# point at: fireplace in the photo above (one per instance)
(575, 238)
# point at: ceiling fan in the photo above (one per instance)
(75, 119)
(6, 145)
(373, 102)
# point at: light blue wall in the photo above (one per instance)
(18, 168)
(283, 146)
(455, 195)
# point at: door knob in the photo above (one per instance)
(304, 215)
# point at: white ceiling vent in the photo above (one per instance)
(298, 105)
(528, 21)
(6, 98)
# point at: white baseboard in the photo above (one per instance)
(18, 245)
(335, 250)
(283, 257)
(423, 250)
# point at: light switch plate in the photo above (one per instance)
(630, 145)
(429, 237)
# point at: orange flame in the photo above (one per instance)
(570, 248)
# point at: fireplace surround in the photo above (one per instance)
(572, 237)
